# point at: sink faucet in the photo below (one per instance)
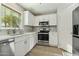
(11, 31)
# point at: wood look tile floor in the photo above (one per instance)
(40, 50)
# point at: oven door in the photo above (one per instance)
(44, 37)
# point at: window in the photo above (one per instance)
(9, 17)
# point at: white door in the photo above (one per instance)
(65, 30)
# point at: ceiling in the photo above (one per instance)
(43, 8)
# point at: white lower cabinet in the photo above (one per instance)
(27, 45)
(33, 41)
(36, 38)
(24, 44)
(53, 39)
(20, 48)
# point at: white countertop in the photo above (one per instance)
(4, 37)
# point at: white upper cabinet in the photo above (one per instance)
(50, 17)
(28, 18)
(37, 20)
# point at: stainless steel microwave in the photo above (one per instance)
(44, 23)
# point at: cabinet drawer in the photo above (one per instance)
(21, 38)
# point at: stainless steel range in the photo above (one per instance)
(43, 34)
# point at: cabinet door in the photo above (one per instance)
(36, 21)
(43, 18)
(35, 38)
(20, 48)
(52, 19)
(53, 39)
(30, 19)
(21, 45)
(27, 45)
(26, 18)
(31, 42)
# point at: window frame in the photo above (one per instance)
(11, 11)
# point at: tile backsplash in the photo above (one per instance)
(26, 29)
(53, 29)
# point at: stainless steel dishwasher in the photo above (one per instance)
(6, 47)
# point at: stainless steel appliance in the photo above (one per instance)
(76, 29)
(43, 34)
(44, 23)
